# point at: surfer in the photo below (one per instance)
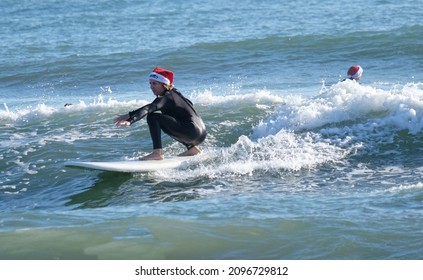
(171, 112)
(354, 73)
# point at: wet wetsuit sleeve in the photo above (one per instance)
(140, 113)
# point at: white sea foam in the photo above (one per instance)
(407, 187)
(399, 108)
(43, 111)
(208, 98)
(259, 99)
(285, 151)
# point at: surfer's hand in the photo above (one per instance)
(123, 123)
(122, 120)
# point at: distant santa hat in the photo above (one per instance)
(161, 75)
(355, 72)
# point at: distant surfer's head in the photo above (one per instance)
(355, 72)
(162, 76)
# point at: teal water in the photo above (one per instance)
(297, 165)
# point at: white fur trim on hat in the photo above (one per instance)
(158, 77)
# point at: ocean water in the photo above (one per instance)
(297, 163)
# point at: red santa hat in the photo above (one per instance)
(355, 72)
(161, 75)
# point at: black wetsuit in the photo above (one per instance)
(178, 119)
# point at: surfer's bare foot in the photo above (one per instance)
(157, 154)
(191, 152)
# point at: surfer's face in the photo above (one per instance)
(157, 88)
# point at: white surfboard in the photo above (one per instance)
(131, 165)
